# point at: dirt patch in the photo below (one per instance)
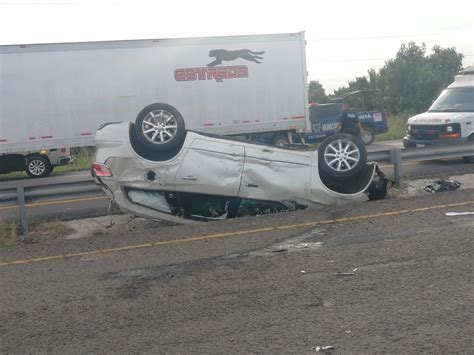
(110, 225)
(48, 231)
(416, 187)
(8, 234)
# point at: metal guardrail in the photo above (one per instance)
(22, 193)
(397, 156)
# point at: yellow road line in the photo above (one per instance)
(56, 202)
(247, 232)
(404, 164)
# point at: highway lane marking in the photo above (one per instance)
(404, 164)
(56, 202)
(247, 232)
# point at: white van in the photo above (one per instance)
(450, 119)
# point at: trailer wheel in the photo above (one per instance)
(38, 166)
(160, 127)
(280, 141)
(342, 156)
(367, 135)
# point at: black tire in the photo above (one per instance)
(38, 166)
(160, 127)
(408, 144)
(469, 158)
(280, 141)
(342, 156)
(367, 135)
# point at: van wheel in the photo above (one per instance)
(367, 135)
(38, 166)
(281, 141)
(160, 127)
(342, 156)
(469, 158)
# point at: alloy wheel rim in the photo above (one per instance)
(342, 155)
(159, 126)
(37, 167)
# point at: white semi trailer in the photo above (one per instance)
(55, 96)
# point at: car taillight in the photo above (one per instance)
(101, 170)
(384, 116)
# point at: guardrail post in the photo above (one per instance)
(22, 209)
(396, 160)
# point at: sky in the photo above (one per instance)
(344, 38)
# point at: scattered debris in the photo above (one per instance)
(459, 213)
(442, 185)
(322, 348)
(379, 186)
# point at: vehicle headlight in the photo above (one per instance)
(449, 128)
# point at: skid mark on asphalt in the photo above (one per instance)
(247, 232)
(301, 242)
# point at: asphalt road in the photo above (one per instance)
(391, 276)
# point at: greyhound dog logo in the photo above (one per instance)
(222, 55)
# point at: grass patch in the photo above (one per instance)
(38, 232)
(82, 160)
(8, 234)
(396, 128)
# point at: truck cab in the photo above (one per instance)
(365, 104)
(450, 119)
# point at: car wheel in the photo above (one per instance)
(281, 141)
(367, 136)
(38, 166)
(342, 156)
(408, 144)
(469, 158)
(160, 127)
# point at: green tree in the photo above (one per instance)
(316, 92)
(412, 80)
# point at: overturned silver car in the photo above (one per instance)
(204, 177)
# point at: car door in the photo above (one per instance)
(273, 174)
(211, 166)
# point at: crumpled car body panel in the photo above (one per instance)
(214, 166)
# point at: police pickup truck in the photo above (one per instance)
(365, 104)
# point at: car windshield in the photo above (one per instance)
(454, 100)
